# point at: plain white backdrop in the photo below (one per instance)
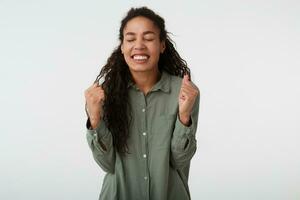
(244, 57)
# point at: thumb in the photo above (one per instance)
(185, 78)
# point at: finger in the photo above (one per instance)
(185, 78)
(184, 92)
(188, 88)
(96, 89)
(182, 95)
(188, 78)
(101, 93)
(190, 85)
(95, 84)
(188, 92)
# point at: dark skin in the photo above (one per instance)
(141, 48)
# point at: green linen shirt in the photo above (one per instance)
(160, 147)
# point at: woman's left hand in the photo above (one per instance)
(186, 99)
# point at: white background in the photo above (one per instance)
(244, 57)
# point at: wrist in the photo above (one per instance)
(94, 120)
(185, 119)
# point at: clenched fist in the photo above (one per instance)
(187, 96)
(94, 97)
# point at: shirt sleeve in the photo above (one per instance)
(104, 155)
(183, 142)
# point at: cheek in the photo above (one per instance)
(126, 48)
(155, 47)
(155, 53)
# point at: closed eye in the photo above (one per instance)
(131, 40)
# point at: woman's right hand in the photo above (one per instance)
(94, 97)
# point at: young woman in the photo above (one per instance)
(142, 119)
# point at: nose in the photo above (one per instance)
(139, 44)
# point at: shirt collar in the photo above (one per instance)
(163, 84)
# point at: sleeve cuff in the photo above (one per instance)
(99, 132)
(182, 129)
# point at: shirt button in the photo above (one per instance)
(145, 177)
(144, 133)
(143, 110)
(144, 155)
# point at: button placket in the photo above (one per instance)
(145, 145)
(144, 134)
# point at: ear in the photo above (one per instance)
(162, 46)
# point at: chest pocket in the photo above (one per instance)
(162, 130)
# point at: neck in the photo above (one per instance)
(146, 80)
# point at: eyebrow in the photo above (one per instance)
(144, 33)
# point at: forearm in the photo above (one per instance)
(185, 120)
(183, 142)
(101, 143)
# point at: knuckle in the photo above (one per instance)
(87, 94)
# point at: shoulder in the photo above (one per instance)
(175, 81)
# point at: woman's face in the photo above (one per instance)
(141, 45)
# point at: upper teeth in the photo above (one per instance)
(139, 57)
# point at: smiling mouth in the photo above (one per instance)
(140, 58)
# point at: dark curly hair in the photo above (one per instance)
(116, 106)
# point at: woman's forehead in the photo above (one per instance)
(144, 33)
(140, 25)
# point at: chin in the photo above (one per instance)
(140, 68)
